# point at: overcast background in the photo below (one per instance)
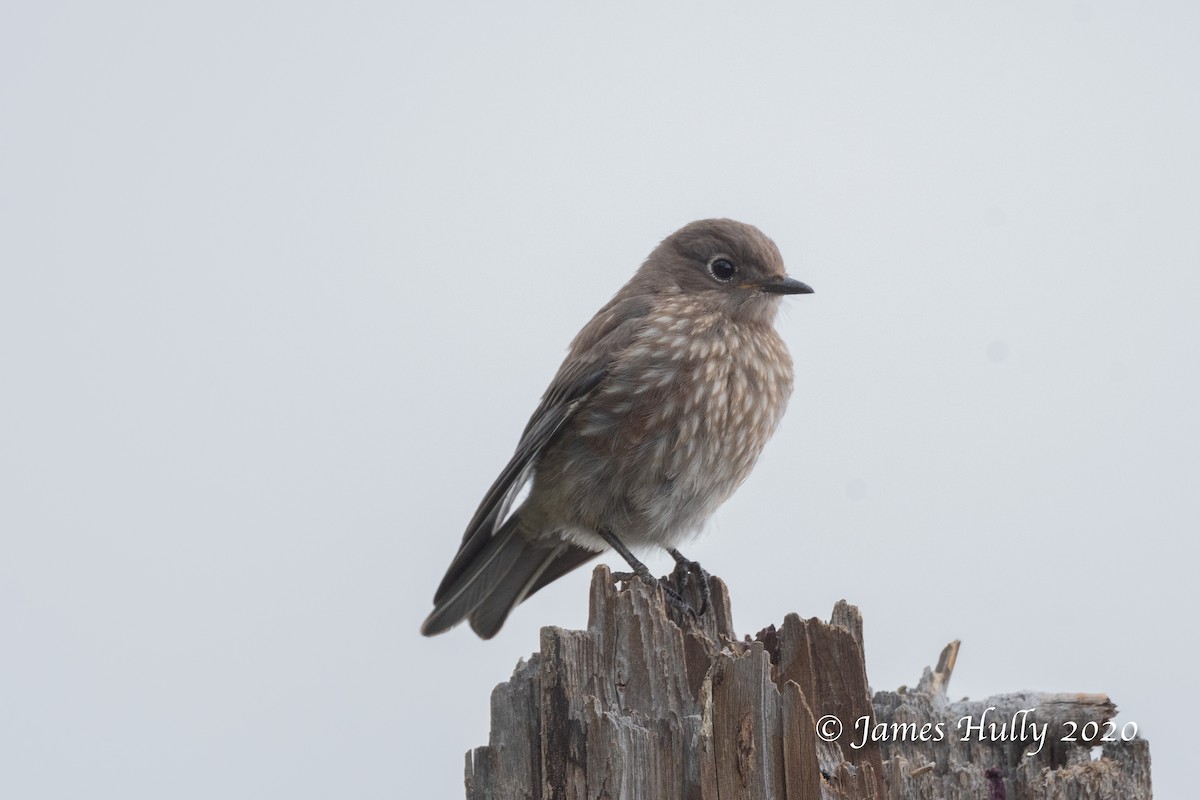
(282, 282)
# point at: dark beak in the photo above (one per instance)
(787, 286)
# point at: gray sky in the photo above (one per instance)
(281, 284)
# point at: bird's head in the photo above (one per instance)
(729, 265)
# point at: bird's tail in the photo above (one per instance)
(507, 569)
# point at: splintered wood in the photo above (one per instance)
(651, 704)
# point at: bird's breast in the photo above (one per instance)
(683, 415)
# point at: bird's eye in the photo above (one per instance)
(722, 269)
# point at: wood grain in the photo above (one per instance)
(651, 703)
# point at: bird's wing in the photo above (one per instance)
(586, 367)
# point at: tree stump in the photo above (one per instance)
(650, 703)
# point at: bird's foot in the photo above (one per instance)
(639, 569)
(672, 596)
(685, 568)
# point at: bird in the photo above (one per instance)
(658, 413)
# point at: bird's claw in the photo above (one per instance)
(673, 597)
(685, 568)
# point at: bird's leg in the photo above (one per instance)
(684, 568)
(640, 569)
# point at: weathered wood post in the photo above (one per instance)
(650, 704)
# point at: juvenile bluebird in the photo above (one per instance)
(662, 406)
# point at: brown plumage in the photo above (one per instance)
(655, 417)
